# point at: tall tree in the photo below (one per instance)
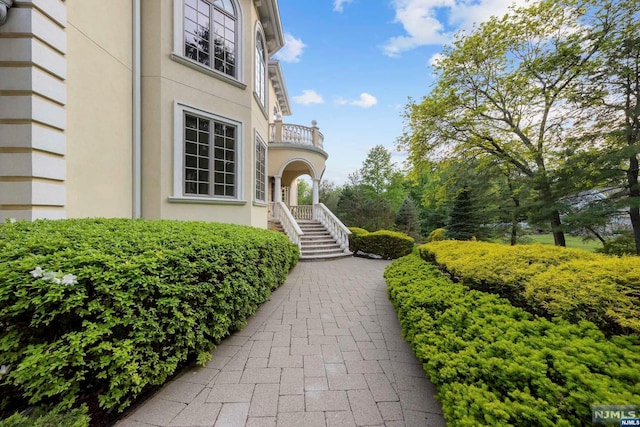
(612, 96)
(407, 219)
(503, 89)
(381, 178)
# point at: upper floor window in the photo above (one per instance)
(261, 70)
(211, 34)
(261, 170)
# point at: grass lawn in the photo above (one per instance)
(572, 241)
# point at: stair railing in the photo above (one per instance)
(289, 224)
(302, 212)
(335, 227)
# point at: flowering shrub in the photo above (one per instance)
(102, 309)
(548, 280)
(497, 365)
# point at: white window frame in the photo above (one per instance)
(260, 81)
(178, 46)
(259, 141)
(179, 157)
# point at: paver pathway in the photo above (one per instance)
(326, 350)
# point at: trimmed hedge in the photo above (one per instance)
(549, 281)
(496, 365)
(104, 308)
(384, 243)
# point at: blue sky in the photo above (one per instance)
(353, 64)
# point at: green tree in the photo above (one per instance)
(503, 91)
(330, 195)
(463, 222)
(381, 178)
(611, 95)
(407, 219)
(305, 192)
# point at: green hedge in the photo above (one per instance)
(496, 365)
(550, 281)
(384, 243)
(108, 307)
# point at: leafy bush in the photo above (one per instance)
(548, 280)
(619, 246)
(496, 365)
(354, 238)
(49, 418)
(109, 307)
(387, 244)
(437, 235)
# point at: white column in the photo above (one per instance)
(316, 191)
(277, 196)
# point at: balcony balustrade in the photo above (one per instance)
(296, 134)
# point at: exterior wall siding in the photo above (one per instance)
(33, 119)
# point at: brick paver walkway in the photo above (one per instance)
(326, 350)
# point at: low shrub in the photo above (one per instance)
(496, 365)
(548, 280)
(55, 417)
(354, 238)
(98, 310)
(619, 246)
(437, 235)
(387, 244)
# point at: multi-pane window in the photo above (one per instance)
(210, 157)
(210, 34)
(261, 88)
(261, 171)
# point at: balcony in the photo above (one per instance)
(296, 134)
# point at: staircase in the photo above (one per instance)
(317, 243)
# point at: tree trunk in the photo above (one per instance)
(634, 195)
(514, 220)
(558, 234)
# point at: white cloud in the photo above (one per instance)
(338, 5)
(308, 97)
(365, 101)
(433, 22)
(292, 50)
(435, 59)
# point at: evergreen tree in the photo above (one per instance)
(407, 219)
(463, 223)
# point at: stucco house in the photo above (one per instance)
(165, 109)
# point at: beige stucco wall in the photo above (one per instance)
(99, 108)
(166, 81)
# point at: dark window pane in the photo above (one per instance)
(203, 163)
(192, 161)
(204, 124)
(190, 187)
(203, 176)
(203, 188)
(203, 150)
(191, 135)
(191, 148)
(191, 121)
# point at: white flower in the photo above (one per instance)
(49, 275)
(56, 281)
(11, 220)
(69, 279)
(37, 272)
(4, 369)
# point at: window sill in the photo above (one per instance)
(206, 201)
(260, 204)
(208, 71)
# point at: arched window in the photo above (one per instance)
(261, 69)
(211, 35)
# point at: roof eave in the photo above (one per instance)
(277, 81)
(271, 24)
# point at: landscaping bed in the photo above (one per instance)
(549, 281)
(97, 311)
(496, 365)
